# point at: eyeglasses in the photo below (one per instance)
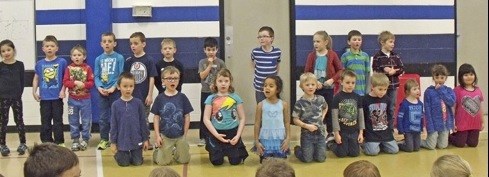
(171, 79)
(260, 37)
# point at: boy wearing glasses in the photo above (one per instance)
(265, 60)
(171, 111)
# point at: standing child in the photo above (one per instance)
(388, 62)
(348, 121)
(168, 49)
(171, 121)
(308, 114)
(469, 118)
(108, 66)
(358, 61)
(438, 101)
(129, 131)
(78, 79)
(224, 117)
(265, 60)
(379, 122)
(410, 117)
(49, 79)
(12, 81)
(208, 68)
(272, 121)
(327, 67)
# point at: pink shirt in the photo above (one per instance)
(468, 109)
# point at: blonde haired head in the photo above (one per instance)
(307, 77)
(451, 165)
(379, 79)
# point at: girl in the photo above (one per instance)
(468, 111)
(438, 100)
(327, 67)
(78, 78)
(224, 117)
(12, 87)
(272, 121)
(409, 117)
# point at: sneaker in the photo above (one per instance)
(22, 148)
(104, 144)
(4, 150)
(75, 146)
(62, 145)
(201, 142)
(83, 145)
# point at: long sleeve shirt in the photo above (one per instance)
(381, 61)
(128, 127)
(82, 73)
(438, 108)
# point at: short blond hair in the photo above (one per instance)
(169, 70)
(361, 168)
(163, 172)
(274, 167)
(168, 41)
(451, 165)
(379, 79)
(410, 83)
(385, 35)
(307, 77)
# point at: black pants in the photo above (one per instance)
(16, 104)
(52, 111)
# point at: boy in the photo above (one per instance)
(358, 61)
(208, 68)
(361, 168)
(168, 49)
(171, 121)
(308, 114)
(129, 131)
(379, 121)
(143, 68)
(388, 62)
(265, 60)
(348, 122)
(49, 159)
(108, 66)
(49, 79)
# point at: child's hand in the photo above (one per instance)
(145, 145)
(79, 84)
(234, 141)
(102, 91)
(210, 60)
(36, 97)
(259, 148)
(113, 147)
(148, 101)
(360, 138)
(285, 145)
(319, 86)
(158, 142)
(62, 95)
(482, 126)
(437, 86)
(393, 71)
(337, 138)
(329, 82)
(111, 90)
(311, 127)
(221, 138)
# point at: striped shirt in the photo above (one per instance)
(266, 64)
(360, 64)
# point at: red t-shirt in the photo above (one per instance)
(468, 109)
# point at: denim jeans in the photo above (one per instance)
(80, 110)
(105, 104)
(313, 147)
(412, 142)
(436, 139)
(349, 145)
(373, 148)
(52, 111)
(126, 158)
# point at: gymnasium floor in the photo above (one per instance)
(96, 163)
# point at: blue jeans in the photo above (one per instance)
(349, 145)
(373, 148)
(126, 158)
(313, 147)
(412, 142)
(392, 94)
(80, 109)
(104, 106)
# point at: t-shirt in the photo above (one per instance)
(266, 64)
(349, 112)
(224, 114)
(142, 68)
(108, 68)
(160, 66)
(378, 119)
(217, 65)
(311, 112)
(172, 111)
(468, 108)
(50, 77)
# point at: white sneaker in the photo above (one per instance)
(201, 142)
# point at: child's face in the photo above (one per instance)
(319, 43)
(415, 92)
(77, 57)
(348, 84)
(170, 81)
(388, 45)
(210, 52)
(126, 87)
(137, 46)
(223, 84)
(440, 79)
(270, 88)
(108, 43)
(168, 50)
(49, 48)
(309, 87)
(469, 79)
(264, 38)
(7, 52)
(355, 42)
(72, 172)
(379, 91)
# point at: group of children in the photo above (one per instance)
(336, 112)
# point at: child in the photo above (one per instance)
(308, 114)
(272, 121)
(388, 62)
(224, 117)
(451, 165)
(410, 117)
(49, 159)
(208, 68)
(129, 131)
(357, 60)
(265, 60)
(469, 118)
(108, 66)
(12, 81)
(78, 79)
(171, 121)
(163, 172)
(361, 168)
(348, 121)
(168, 49)
(379, 121)
(274, 167)
(327, 67)
(438, 100)
(49, 79)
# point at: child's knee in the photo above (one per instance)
(217, 162)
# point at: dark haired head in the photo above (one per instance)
(439, 70)
(109, 34)
(50, 38)
(8, 43)
(269, 29)
(125, 75)
(48, 159)
(353, 33)
(210, 42)
(139, 35)
(278, 82)
(466, 69)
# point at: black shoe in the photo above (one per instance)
(4, 150)
(22, 148)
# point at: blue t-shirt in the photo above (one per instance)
(410, 117)
(50, 77)
(142, 68)
(266, 64)
(172, 111)
(107, 70)
(224, 114)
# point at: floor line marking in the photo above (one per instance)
(100, 168)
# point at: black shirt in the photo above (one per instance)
(11, 80)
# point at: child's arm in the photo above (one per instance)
(361, 124)
(400, 118)
(400, 67)
(241, 125)
(143, 126)
(156, 127)
(257, 128)
(88, 84)
(67, 82)
(285, 143)
(338, 67)
(35, 85)
(186, 125)
(336, 125)
(114, 123)
(98, 74)
(62, 93)
(149, 98)
(483, 122)
(205, 72)
(210, 127)
(447, 95)
(376, 64)
(428, 109)
(309, 62)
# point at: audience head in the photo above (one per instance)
(451, 165)
(361, 168)
(51, 160)
(163, 172)
(273, 167)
